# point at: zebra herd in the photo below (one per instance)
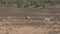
(9, 18)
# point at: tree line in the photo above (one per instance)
(30, 2)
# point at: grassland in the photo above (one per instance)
(35, 25)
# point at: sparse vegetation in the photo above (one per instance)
(37, 3)
(29, 20)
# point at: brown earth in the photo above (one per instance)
(36, 25)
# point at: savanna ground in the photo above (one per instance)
(35, 25)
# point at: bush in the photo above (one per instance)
(29, 2)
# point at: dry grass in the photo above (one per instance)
(35, 25)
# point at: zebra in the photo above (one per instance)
(49, 18)
(0, 18)
(9, 18)
(28, 17)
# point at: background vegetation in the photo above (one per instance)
(29, 2)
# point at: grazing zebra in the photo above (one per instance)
(0, 18)
(28, 17)
(9, 18)
(48, 19)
